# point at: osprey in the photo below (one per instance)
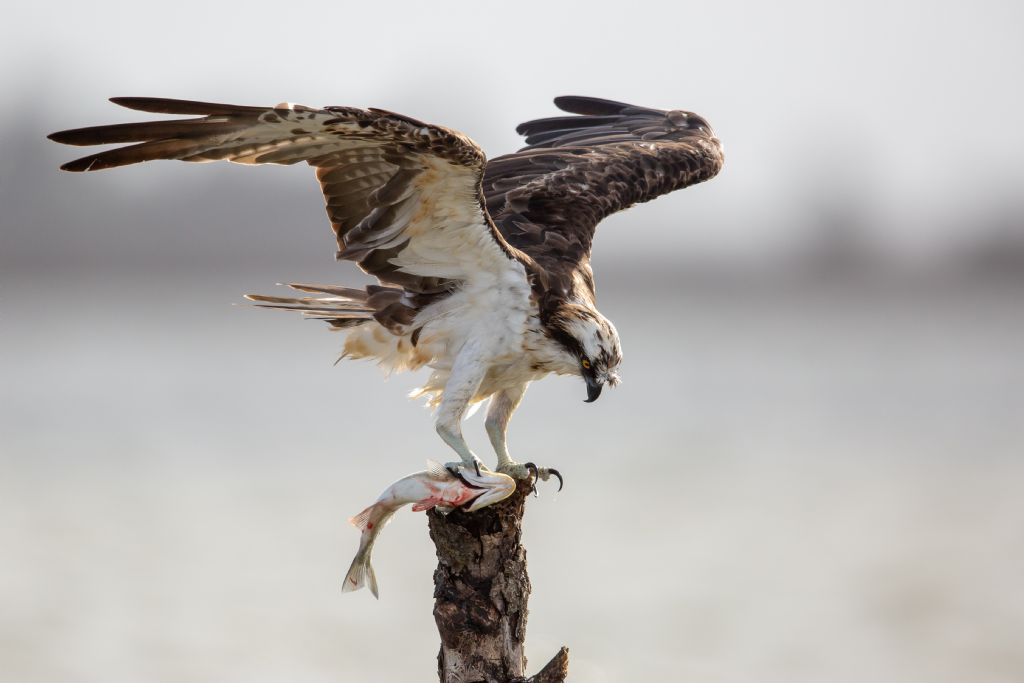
(483, 265)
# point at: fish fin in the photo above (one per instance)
(424, 504)
(362, 519)
(436, 470)
(356, 576)
(372, 576)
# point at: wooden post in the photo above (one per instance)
(480, 593)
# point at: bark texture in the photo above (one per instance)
(481, 589)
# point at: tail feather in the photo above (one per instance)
(391, 337)
(346, 292)
(345, 307)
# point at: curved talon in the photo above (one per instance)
(552, 470)
(454, 467)
(536, 476)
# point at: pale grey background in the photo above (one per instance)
(811, 472)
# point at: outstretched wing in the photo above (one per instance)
(548, 197)
(402, 195)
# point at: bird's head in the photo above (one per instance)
(589, 346)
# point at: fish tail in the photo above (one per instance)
(370, 522)
(361, 573)
(371, 578)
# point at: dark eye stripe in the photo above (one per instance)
(571, 344)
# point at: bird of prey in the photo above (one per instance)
(483, 266)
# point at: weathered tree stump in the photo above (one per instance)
(481, 589)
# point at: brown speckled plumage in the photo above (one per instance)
(383, 175)
(547, 198)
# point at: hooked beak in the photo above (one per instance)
(593, 389)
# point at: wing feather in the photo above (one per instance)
(397, 190)
(548, 197)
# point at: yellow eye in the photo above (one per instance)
(585, 363)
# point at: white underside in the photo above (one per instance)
(488, 321)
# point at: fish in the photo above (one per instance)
(436, 487)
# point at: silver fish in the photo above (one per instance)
(437, 486)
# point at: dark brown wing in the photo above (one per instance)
(548, 197)
(402, 195)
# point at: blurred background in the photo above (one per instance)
(811, 472)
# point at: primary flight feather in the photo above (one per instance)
(483, 266)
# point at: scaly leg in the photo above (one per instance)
(499, 412)
(467, 373)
